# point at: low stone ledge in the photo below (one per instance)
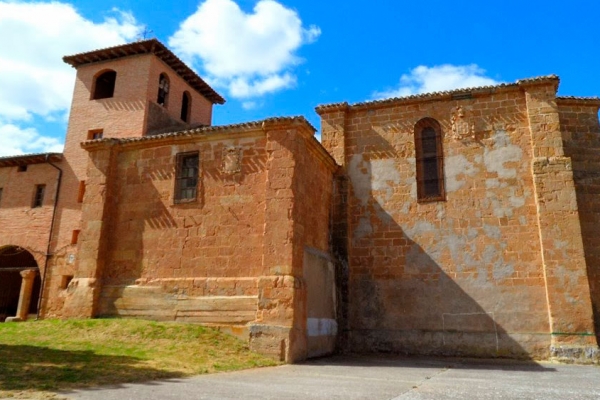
(576, 354)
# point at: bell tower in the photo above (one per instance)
(127, 91)
(134, 90)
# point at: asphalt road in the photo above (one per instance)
(374, 377)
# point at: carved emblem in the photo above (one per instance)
(232, 160)
(462, 128)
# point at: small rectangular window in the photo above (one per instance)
(38, 198)
(81, 192)
(75, 236)
(94, 134)
(186, 182)
(22, 168)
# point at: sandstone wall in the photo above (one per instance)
(298, 200)
(464, 276)
(184, 248)
(581, 136)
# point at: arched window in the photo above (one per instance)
(430, 160)
(163, 90)
(104, 85)
(186, 106)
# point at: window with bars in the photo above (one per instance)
(186, 184)
(38, 198)
(429, 160)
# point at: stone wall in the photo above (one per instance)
(581, 135)
(467, 275)
(232, 258)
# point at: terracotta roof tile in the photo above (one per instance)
(579, 99)
(151, 46)
(28, 159)
(438, 95)
(208, 130)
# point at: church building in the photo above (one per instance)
(460, 223)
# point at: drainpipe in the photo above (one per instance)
(43, 283)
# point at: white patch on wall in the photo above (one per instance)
(373, 179)
(360, 176)
(454, 167)
(321, 327)
(522, 220)
(502, 271)
(517, 201)
(503, 152)
(384, 176)
(456, 245)
(492, 231)
(492, 183)
(419, 228)
(440, 210)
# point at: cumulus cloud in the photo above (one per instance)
(250, 54)
(423, 79)
(34, 81)
(15, 140)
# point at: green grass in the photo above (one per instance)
(38, 357)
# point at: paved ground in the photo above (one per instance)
(353, 377)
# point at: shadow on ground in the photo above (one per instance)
(396, 361)
(41, 368)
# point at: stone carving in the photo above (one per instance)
(462, 128)
(232, 160)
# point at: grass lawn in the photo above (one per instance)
(39, 357)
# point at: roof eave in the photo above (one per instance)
(151, 46)
(30, 159)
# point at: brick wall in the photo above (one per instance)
(201, 108)
(20, 224)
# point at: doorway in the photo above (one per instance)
(13, 260)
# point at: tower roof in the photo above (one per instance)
(150, 46)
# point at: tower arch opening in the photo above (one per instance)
(104, 85)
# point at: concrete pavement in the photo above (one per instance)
(377, 378)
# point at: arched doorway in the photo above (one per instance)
(14, 260)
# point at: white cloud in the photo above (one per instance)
(423, 79)
(15, 140)
(250, 105)
(249, 54)
(34, 81)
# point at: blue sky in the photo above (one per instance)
(273, 58)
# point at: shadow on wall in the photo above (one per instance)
(139, 216)
(400, 299)
(586, 175)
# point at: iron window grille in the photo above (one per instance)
(429, 161)
(38, 198)
(186, 183)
